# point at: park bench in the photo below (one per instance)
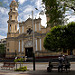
(54, 65)
(8, 65)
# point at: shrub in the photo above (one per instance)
(24, 68)
(19, 60)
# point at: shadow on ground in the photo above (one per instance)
(37, 72)
(44, 72)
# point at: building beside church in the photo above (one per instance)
(20, 42)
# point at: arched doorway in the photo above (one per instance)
(29, 52)
(29, 48)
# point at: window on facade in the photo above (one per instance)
(14, 8)
(10, 9)
(10, 27)
(7, 49)
(11, 17)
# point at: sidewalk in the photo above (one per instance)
(41, 69)
(37, 72)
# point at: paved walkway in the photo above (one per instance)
(40, 70)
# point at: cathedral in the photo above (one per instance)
(20, 41)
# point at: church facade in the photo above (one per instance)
(20, 42)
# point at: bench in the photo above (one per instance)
(54, 65)
(8, 65)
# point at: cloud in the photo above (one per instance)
(38, 4)
(1, 37)
(22, 1)
(25, 12)
(28, 8)
(3, 22)
(71, 18)
(43, 19)
(3, 11)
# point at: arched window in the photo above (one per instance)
(10, 9)
(11, 17)
(10, 27)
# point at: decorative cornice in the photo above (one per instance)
(14, 12)
(12, 21)
(24, 35)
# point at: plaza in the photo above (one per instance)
(41, 69)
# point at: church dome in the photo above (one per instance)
(13, 3)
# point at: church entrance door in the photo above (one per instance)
(29, 52)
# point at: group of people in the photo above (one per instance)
(63, 63)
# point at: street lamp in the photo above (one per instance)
(33, 44)
(41, 13)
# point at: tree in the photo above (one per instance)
(70, 39)
(53, 40)
(61, 38)
(2, 50)
(68, 3)
(55, 12)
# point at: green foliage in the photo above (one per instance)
(53, 39)
(60, 38)
(55, 12)
(70, 33)
(24, 68)
(68, 3)
(19, 60)
(2, 49)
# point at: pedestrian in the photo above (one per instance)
(67, 63)
(60, 65)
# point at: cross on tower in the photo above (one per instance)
(29, 31)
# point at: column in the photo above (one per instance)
(40, 45)
(36, 44)
(22, 29)
(22, 46)
(19, 46)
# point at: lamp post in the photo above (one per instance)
(33, 44)
(33, 38)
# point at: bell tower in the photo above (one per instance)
(13, 19)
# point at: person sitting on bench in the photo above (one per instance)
(66, 62)
(60, 65)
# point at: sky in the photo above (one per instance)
(24, 10)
